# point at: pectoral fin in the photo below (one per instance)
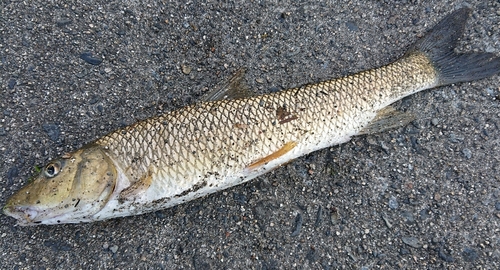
(387, 118)
(138, 187)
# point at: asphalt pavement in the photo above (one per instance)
(424, 196)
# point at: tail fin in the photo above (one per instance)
(438, 45)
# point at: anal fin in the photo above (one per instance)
(387, 118)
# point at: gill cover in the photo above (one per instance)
(68, 190)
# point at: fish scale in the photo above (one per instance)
(209, 146)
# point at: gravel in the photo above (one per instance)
(424, 196)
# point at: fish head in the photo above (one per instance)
(68, 190)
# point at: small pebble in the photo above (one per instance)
(240, 198)
(52, 130)
(114, 248)
(445, 257)
(411, 241)
(404, 251)
(63, 22)
(490, 91)
(81, 74)
(319, 217)
(393, 203)
(469, 254)
(12, 173)
(387, 222)
(454, 139)
(497, 204)
(408, 216)
(160, 214)
(467, 153)
(349, 253)
(384, 147)
(435, 121)
(274, 89)
(298, 225)
(352, 26)
(334, 216)
(186, 69)
(87, 57)
(424, 214)
(12, 83)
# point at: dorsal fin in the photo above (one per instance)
(233, 88)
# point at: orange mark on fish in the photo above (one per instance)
(240, 126)
(283, 150)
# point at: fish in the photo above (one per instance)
(231, 137)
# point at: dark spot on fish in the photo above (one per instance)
(193, 189)
(284, 116)
(162, 200)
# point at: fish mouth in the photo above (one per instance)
(31, 216)
(24, 215)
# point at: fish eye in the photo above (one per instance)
(52, 169)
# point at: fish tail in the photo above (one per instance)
(439, 44)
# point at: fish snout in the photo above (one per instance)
(24, 215)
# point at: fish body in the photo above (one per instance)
(210, 146)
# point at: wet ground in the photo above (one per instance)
(425, 196)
